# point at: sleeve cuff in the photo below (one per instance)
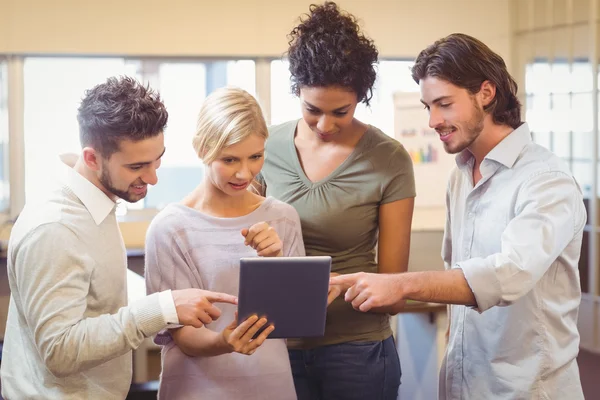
(483, 282)
(167, 307)
(148, 315)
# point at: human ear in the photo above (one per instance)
(91, 158)
(487, 93)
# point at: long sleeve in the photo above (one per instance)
(166, 268)
(549, 212)
(166, 265)
(447, 239)
(52, 275)
(293, 243)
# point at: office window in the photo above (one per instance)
(4, 162)
(184, 85)
(559, 112)
(53, 89)
(285, 106)
(55, 86)
(393, 76)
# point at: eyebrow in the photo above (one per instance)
(225, 155)
(146, 162)
(318, 109)
(437, 100)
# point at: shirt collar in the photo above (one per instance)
(506, 152)
(95, 200)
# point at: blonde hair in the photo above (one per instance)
(227, 116)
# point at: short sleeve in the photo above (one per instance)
(399, 181)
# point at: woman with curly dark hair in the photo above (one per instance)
(353, 187)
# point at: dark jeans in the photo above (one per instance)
(346, 371)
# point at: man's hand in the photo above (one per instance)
(194, 306)
(334, 290)
(366, 291)
(238, 338)
(264, 239)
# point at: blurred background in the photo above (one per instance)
(52, 51)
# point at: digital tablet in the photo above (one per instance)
(291, 292)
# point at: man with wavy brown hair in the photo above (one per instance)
(515, 219)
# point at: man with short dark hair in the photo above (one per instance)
(70, 332)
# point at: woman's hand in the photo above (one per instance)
(239, 338)
(264, 239)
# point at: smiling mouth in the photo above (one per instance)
(445, 131)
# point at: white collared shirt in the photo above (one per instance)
(517, 237)
(70, 329)
(100, 206)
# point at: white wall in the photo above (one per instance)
(254, 28)
(401, 28)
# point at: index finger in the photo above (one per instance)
(334, 292)
(344, 281)
(254, 230)
(217, 297)
(249, 235)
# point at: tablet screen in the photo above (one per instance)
(291, 292)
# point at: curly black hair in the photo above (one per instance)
(328, 49)
(119, 109)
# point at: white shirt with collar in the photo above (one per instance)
(70, 332)
(517, 236)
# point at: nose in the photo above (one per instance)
(150, 176)
(243, 173)
(435, 119)
(325, 123)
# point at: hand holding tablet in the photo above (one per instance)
(242, 338)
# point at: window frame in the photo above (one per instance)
(16, 116)
(16, 148)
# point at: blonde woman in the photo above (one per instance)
(198, 242)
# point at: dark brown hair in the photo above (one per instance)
(119, 109)
(328, 49)
(467, 62)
